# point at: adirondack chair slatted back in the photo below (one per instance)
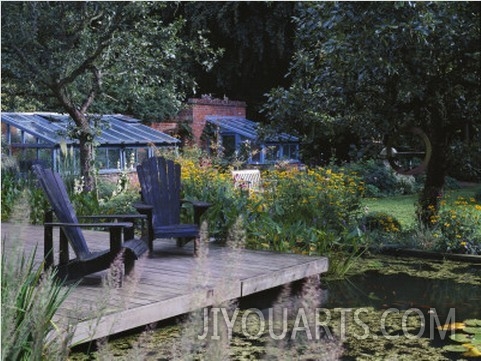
(161, 187)
(56, 192)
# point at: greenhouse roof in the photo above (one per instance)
(248, 129)
(116, 129)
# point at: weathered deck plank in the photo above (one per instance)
(168, 283)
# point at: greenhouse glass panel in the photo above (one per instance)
(142, 154)
(101, 159)
(271, 153)
(130, 158)
(113, 159)
(118, 141)
(289, 151)
(229, 145)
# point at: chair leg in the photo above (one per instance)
(48, 241)
(129, 263)
(151, 243)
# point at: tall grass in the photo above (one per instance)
(30, 299)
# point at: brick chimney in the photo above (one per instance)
(199, 108)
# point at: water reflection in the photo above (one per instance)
(403, 291)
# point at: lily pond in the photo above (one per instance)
(393, 308)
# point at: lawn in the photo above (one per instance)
(404, 207)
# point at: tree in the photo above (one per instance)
(378, 68)
(87, 57)
(257, 38)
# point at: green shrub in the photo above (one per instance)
(465, 160)
(381, 180)
(381, 221)
(458, 229)
(320, 197)
(19, 189)
(206, 182)
(11, 191)
(38, 204)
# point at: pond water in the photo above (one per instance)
(450, 289)
(403, 291)
(434, 292)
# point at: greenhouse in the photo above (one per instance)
(239, 136)
(121, 141)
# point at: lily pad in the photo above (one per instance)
(476, 342)
(474, 322)
(473, 331)
(461, 337)
(455, 348)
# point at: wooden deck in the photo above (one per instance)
(168, 283)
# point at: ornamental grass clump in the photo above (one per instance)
(30, 299)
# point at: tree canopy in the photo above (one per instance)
(93, 57)
(368, 69)
(139, 63)
(257, 38)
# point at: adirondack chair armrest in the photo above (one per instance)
(115, 230)
(128, 233)
(146, 210)
(105, 225)
(143, 208)
(115, 216)
(200, 208)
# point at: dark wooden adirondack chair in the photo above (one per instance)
(86, 262)
(161, 191)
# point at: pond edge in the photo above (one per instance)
(411, 252)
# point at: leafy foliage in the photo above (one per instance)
(459, 229)
(381, 221)
(468, 337)
(371, 69)
(97, 57)
(141, 63)
(257, 38)
(380, 180)
(374, 68)
(303, 212)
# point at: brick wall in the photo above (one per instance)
(205, 106)
(197, 110)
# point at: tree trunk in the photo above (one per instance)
(83, 131)
(86, 149)
(86, 164)
(430, 198)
